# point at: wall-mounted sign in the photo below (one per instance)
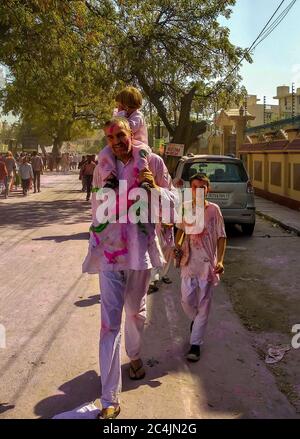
(175, 149)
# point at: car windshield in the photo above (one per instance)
(216, 171)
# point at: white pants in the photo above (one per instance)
(120, 289)
(160, 272)
(196, 296)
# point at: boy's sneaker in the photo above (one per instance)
(194, 353)
(111, 183)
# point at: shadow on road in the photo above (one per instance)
(34, 214)
(83, 389)
(63, 238)
(69, 191)
(4, 407)
(91, 300)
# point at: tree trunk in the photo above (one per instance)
(187, 131)
(43, 149)
(56, 150)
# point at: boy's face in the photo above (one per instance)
(199, 184)
(119, 139)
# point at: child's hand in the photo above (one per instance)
(219, 268)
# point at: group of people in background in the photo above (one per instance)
(23, 169)
(61, 161)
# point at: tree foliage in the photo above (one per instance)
(67, 58)
(177, 52)
(56, 83)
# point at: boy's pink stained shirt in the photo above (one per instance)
(202, 248)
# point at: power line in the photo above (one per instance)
(276, 23)
(264, 33)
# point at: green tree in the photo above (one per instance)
(56, 83)
(177, 52)
(67, 58)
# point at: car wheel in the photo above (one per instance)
(248, 229)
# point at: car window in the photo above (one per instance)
(216, 171)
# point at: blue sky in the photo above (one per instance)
(276, 61)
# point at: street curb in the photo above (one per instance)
(280, 223)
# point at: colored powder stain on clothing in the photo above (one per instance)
(111, 257)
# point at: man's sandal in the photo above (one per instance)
(110, 412)
(166, 280)
(137, 373)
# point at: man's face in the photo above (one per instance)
(119, 139)
(199, 184)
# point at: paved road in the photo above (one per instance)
(51, 314)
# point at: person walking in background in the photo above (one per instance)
(3, 176)
(80, 167)
(87, 175)
(26, 174)
(11, 167)
(165, 235)
(37, 167)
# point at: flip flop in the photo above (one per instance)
(137, 373)
(110, 412)
(166, 280)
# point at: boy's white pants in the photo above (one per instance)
(196, 295)
(126, 288)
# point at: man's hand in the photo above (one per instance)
(219, 269)
(147, 176)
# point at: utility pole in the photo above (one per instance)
(246, 106)
(293, 100)
(265, 108)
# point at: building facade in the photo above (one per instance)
(289, 103)
(272, 157)
(263, 114)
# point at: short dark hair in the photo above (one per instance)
(200, 177)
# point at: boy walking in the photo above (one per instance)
(201, 265)
(26, 175)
